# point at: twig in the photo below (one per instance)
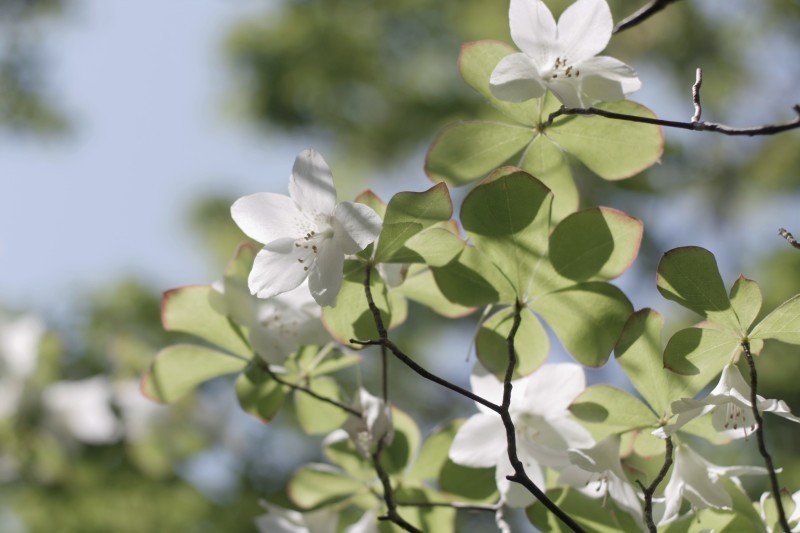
(768, 129)
(453, 505)
(698, 109)
(649, 491)
(388, 493)
(265, 367)
(520, 476)
(762, 447)
(789, 237)
(642, 14)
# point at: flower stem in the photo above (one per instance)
(762, 447)
(520, 476)
(649, 491)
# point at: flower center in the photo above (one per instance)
(736, 417)
(561, 69)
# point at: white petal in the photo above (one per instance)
(325, 278)
(606, 79)
(626, 497)
(673, 496)
(552, 388)
(486, 385)
(777, 407)
(699, 490)
(311, 184)
(514, 494)
(278, 269)
(271, 346)
(480, 442)
(355, 226)
(266, 217)
(19, 345)
(568, 91)
(516, 79)
(533, 30)
(584, 29)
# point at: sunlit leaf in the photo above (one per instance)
(316, 485)
(746, 301)
(315, 416)
(422, 288)
(545, 161)
(531, 344)
(259, 394)
(782, 324)
(606, 410)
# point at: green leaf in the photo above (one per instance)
(436, 246)
(703, 427)
(606, 410)
(476, 63)
(372, 200)
(434, 518)
(468, 484)
(596, 243)
(433, 454)
(422, 288)
(782, 324)
(690, 277)
(638, 352)
(315, 416)
(507, 216)
(259, 394)
(472, 280)
(746, 301)
(342, 452)
(316, 485)
(351, 318)
(466, 151)
(406, 440)
(612, 149)
(179, 368)
(189, 310)
(531, 344)
(587, 318)
(544, 160)
(408, 213)
(699, 353)
(593, 514)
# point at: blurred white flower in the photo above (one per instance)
(374, 423)
(306, 234)
(729, 405)
(19, 353)
(544, 431)
(82, 409)
(597, 472)
(562, 58)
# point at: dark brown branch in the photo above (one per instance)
(388, 493)
(649, 491)
(520, 476)
(265, 367)
(642, 14)
(769, 129)
(789, 237)
(762, 447)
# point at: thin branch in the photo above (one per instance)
(698, 81)
(453, 505)
(649, 491)
(264, 366)
(762, 447)
(520, 476)
(642, 14)
(789, 237)
(768, 129)
(388, 493)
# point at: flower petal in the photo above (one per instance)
(607, 79)
(311, 184)
(568, 91)
(480, 442)
(486, 385)
(553, 387)
(277, 268)
(325, 278)
(355, 226)
(533, 30)
(584, 29)
(514, 494)
(266, 216)
(516, 79)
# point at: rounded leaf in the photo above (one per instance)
(531, 344)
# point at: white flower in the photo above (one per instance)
(19, 345)
(562, 58)
(697, 480)
(278, 325)
(729, 405)
(82, 408)
(374, 423)
(597, 472)
(306, 234)
(544, 431)
(793, 519)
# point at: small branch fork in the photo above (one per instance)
(695, 124)
(762, 447)
(649, 491)
(519, 471)
(789, 237)
(642, 14)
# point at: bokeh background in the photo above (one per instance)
(127, 129)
